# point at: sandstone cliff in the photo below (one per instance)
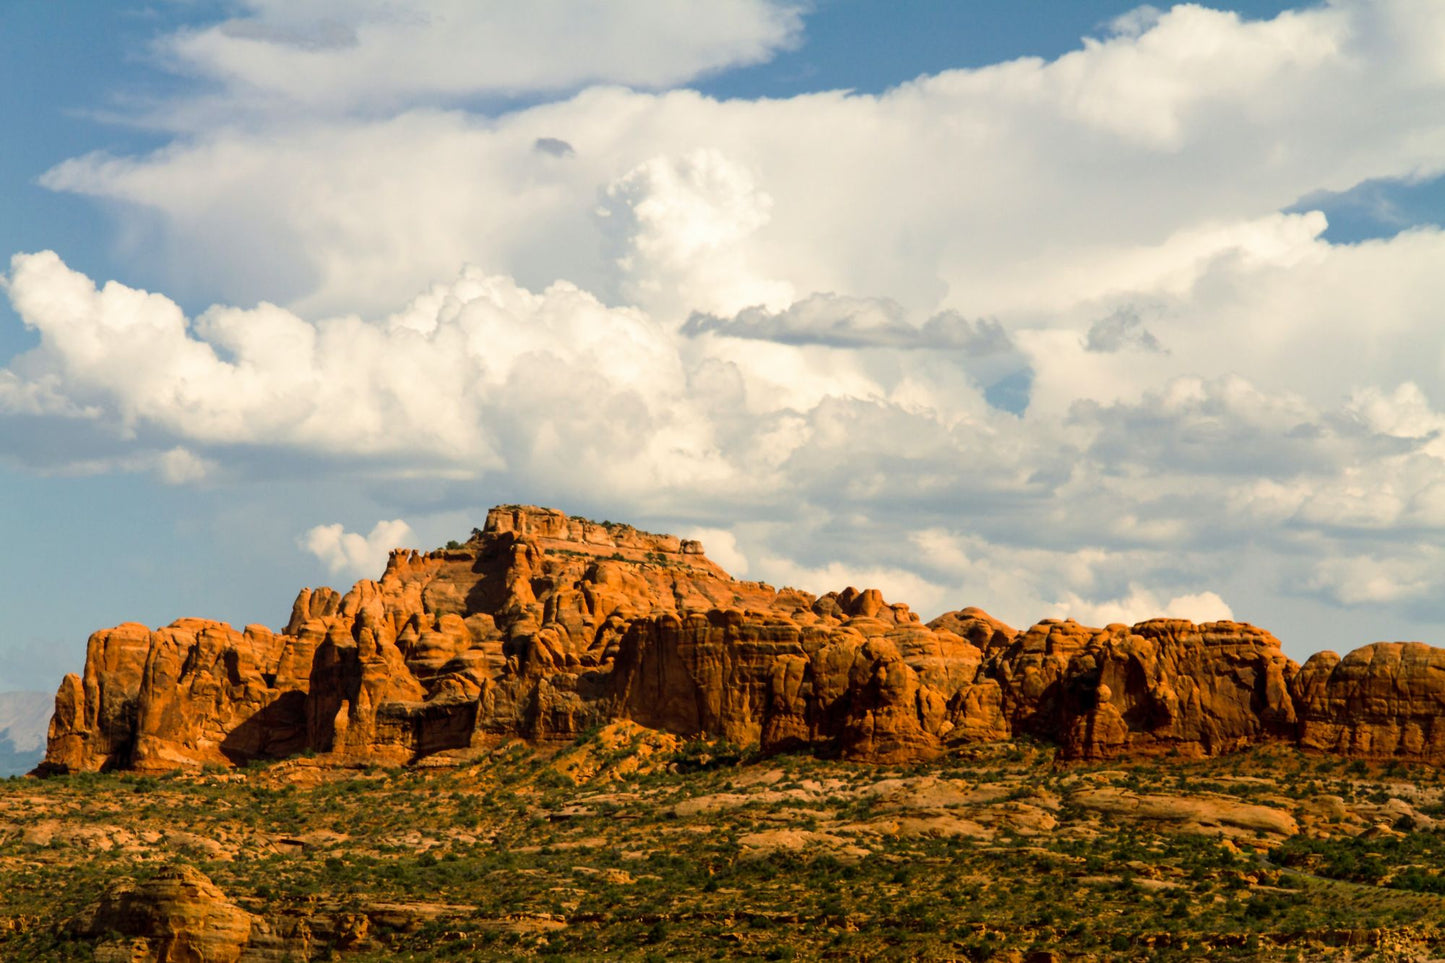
(1382, 701)
(544, 625)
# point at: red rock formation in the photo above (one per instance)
(1384, 702)
(544, 625)
(94, 725)
(178, 916)
(1169, 686)
(518, 632)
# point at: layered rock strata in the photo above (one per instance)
(544, 625)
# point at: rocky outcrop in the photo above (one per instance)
(194, 693)
(544, 625)
(177, 916)
(1162, 686)
(1384, 701)
(94, 726)
(1202, 813)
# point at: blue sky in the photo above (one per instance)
(1055, 308)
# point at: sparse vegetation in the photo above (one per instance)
(621, 847)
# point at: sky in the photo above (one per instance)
(1053, 308)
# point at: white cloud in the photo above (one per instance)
(445, 381)
(361, 53)
(554, 392)
(1022, 584)
(896, 584)
(1375, 580)
(1201, 368)
(1014, 189)
(1199, 607)
(1140, 604)
(848, 322)
(1159, 73)
(1404, 412)
(722, 547)
(355, 555)
(679, 225)
(179, 466)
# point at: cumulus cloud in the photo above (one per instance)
(850, 322)
(721, 546)
(953, 195)
(896, 584)
(678, 226)
(444, 380)
(178, 466)
(361, 53)
(980, 347)
(1119, 330)
(1385, 577)
(554, 392)
(1403, 413)
(1024, 583)
(1140, 604)
(805, 313)
(356, 555)
(555, 146)
(1227, 426)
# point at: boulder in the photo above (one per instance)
(176, 916)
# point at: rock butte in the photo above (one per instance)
(544, 625)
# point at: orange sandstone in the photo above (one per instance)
(544, 625)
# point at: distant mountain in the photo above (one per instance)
(24, 717)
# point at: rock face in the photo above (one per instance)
(1162, 686)
(178, 916)
(1382, 701)
(544, 625)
